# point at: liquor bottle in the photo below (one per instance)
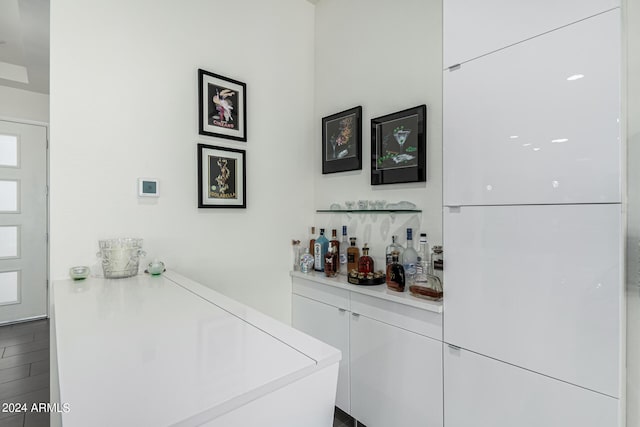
(320, 248)
(423, 264)
(343, 251)
(437, 261)
(393, 247)
(395, 274)
(409, 259)
(334, 245)
(312, 240)
(365, 263)
(331, 263)
(306, 261)
(353, 255)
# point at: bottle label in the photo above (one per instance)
(351, 258)
(319, 259)
(410, 269)
(343, 258)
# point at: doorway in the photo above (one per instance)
(23, 222)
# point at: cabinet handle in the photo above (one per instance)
(454, 347)
(341, 310)
(355, 314)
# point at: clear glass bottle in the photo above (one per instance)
(422, 267)
(409, 259)
(437, 258)
(395, 273)
(295, 247)
(343, 251)
(353, 255)
(312, 240)
(393, 247)
(331, 263)
(306, 261)
(437, 261)
(365, 263)
(320, 248)
(427, 284)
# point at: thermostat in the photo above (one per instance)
(148, 187)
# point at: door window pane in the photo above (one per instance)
(8, 150)
(9, 237)
(9, 287)
(8, 196)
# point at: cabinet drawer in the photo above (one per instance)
(413, 319)
(323, 293)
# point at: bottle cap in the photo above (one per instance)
(409, 234)
(322, 231)
(344, 230)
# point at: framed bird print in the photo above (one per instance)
(222, 106)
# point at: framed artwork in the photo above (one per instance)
(222, 104)
(222, 179)
(398, 147)
(342, 141)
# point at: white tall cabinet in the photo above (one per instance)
(532, 216)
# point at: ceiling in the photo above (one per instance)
(24, 44)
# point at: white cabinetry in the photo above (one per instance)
(396, 375)
(393, 348)
(532, 221)
(521, 127)
(480, 391)
(329, 324)
(476, 28)
(542, 287)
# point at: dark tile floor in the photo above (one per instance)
(24, 373)
(342, 419)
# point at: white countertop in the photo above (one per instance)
(154, 351)
(378, 291)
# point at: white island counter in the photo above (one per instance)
(160, 351)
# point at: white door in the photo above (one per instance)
(480, 391)
(331, 325)
(396, 376)
(542, 285)
(23, 221)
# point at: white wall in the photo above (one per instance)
(124, 105)
(23, 105)
(632, 25)
(387, 57)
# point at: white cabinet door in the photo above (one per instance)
(475, 28)
(479, 391)
(330, 325)
(396, 376)
(522, 127)
(538, 287)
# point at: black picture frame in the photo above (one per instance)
(342, 141)
(222, 106)
(222, 177)
(398, 147)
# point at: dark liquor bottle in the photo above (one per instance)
(365, 264)
(353, 255)
(334, 245)
(312, 240)
(331, 262)
(395, 273)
